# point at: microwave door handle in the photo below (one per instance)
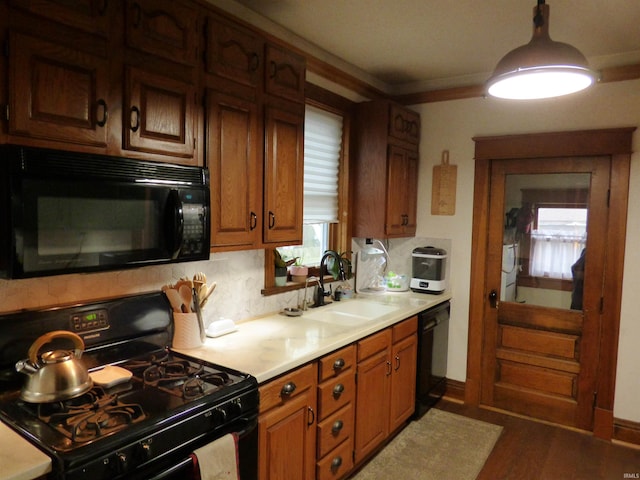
(174, 224)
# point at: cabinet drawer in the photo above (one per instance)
(335, 429)
(337, 463)
(336, 393)
(279, 391)
(337, 362)
(373, 344)
(405, 328)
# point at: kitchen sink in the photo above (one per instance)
(350, 313)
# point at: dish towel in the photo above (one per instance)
(218, 460)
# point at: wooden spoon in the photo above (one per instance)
(186, 293)
(199, 283)
(174, 299)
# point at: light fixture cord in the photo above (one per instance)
(538, 20)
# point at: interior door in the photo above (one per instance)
(544, 286)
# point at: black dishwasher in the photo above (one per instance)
(433, 344)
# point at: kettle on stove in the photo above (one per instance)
(54, 375)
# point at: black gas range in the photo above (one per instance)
(144, 427)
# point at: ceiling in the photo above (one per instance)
(413, 45)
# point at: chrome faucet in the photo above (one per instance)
(305, 303)
(320, 292)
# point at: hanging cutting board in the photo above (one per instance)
(443, 190)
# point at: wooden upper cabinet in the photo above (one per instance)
(284, 74)
(91, 16)
(164, 28)
(283, 175)
(385, 171)
(235, 167)
(402, 189)
(233, 52)
(56, 92)
(404, 124)
(159, 114)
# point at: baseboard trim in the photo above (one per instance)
(626, 431)
(455, 390)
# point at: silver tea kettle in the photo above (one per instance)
(54, 375)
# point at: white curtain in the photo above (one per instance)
(553, 253)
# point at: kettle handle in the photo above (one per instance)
(34, 349)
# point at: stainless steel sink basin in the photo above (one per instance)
(350, 313)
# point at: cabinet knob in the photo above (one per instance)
(338, 389)
(337, 426)
(272, 220)
(336, 463)
(339, 364)
(288, 389)
(254, 221)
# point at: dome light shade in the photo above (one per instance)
(542, 68)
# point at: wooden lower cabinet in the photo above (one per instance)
(385, 385)
(355, 414)
(287, 426)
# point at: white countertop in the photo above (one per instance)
(269, 346)
(265, 348)
(19, 459)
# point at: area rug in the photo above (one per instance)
(440, 446)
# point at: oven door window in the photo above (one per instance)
(67, 227)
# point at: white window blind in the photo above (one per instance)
(322, 148)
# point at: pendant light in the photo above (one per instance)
(542, 68)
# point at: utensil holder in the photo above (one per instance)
(186, 331)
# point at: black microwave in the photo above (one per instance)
(66, 212)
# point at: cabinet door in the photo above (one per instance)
(372, 403)
(404, 124)
(402, 170)
(285, 74)
(235, 169)
(164, 28)
(283, 175)
(57, 93)
(159, 114)
(234, 52)
(403, 380)
(88, 15)
(287, 440)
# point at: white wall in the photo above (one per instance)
(452, 125)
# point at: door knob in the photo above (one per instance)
(493, 299)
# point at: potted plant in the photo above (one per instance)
(281, 268)
(299, 273)
(334, 269)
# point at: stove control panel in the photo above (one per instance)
(90, 321)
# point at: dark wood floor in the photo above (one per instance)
(530, 450)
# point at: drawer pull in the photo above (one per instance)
(288, 389)
(311, 416)
(336, 463)
(338, 390)
(336, 427)
(339, 364)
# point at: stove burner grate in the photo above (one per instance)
(177, 377)
(94, 414)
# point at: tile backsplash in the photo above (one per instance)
(239, 277)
